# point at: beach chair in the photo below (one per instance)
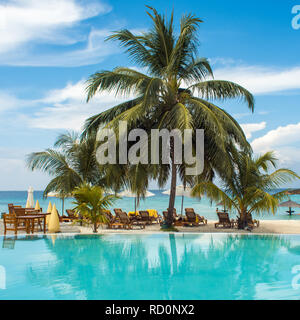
(194, 218)
(165, 215)
(12, 224)
(11, 207)
(18, 211)
(111, 221)
(252, 222)
(128, 224)
(153, 213)
(175, 215)
(177, 220)
(63, 218)
(224, 221)
(145, 217)
(71, 215)
(117, 212)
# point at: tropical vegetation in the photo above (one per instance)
(249, 188)
(91, 203)
(71, 163)
(172, 88)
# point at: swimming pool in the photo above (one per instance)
(150, 266)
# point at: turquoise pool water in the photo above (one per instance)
(156, 266)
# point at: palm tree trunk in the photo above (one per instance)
(243, 220)
(169, 221)
(95, 227)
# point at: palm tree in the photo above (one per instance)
(165, 95)
(71, 163)
(91, 203)
(247, 190)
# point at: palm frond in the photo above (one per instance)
(120, 81)
(134, 47)
(213, 192)
(95, 122)
(195, 71)
(220, 89)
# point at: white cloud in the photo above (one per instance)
(284, 141)
(8, 101)
(248, 114)
(94, 51)
(249, 128)
(26, 24)
(278, 137)
(67, 108)
(261, 80)
(28, 20)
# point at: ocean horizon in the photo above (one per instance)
(159, 201)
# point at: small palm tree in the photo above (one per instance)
(247, 190)
(71, 163)
(175, 92)
(91, 202)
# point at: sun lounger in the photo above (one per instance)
(131, 217)
(111, 221)
(153, 213)
(117, 211)
(252, 222)
(194, 218)
(177, 220)
(71, 215)
(145, 217)
(128, 224)
(224, 221)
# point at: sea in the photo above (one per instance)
(159, 201)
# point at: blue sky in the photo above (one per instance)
(48, 48)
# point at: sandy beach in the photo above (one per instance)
(266, 227)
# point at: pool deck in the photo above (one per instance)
(266, 227)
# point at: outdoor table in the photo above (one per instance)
(29, 221)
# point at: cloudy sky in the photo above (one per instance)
(48, 48)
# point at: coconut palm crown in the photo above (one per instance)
(71, 163)
(172, 88)
(249, 189)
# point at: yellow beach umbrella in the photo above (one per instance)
(37, 205)
(49, 210)
(53, 225)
